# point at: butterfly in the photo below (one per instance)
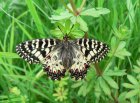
(57, 56)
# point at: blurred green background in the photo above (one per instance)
(116, 79)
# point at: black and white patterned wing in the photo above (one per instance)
(53, 65)
(93, 50)
(35, 51)
(88, 51)
(43, 51)
(79, 68)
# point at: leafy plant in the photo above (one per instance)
(134, 85)
(116, 79)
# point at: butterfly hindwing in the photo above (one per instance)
(35, 51)
(80, 65)
(93, 50)
(53, 65)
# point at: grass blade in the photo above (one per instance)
(35, 16)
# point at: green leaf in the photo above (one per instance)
(15, 90)
(123, 32)
(82, 90)
(131, 11)
(121, 52)
(35, 16)
(95, 12)
(35, 91)
(73, 19)
(121, 97)
(61, 26)
(111, 82)
(61, 94)
(97, 89)
(138, 62)
(115, 73)
(12, 35)
(121, 45)
(68, 26)
(136, 69)
(62, 16)
(90, 87)
(83, 24)
(127, 85)
(132, 79)
(63, 82)
(104, 86)
(24, 30)
(113, 42)
(57, 33)
(138, 76)
(8, 55)
(75, 85)
(76, 34)
(132, 93)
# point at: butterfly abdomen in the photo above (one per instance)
(67, 54)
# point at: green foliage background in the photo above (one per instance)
(116, 79)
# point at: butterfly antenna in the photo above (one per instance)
(61, 30)
(71, 29)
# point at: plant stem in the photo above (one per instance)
(115, 100)
(62, 1)
(82, 5)
(75, 11)
(39, 74)
(98, 70)
(74, 7)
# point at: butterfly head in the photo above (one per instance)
(66, 34)
(66, 37)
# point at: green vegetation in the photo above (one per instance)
(116, 79)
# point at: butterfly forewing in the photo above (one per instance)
(43, 51)
(35, 51)
(93, 50)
